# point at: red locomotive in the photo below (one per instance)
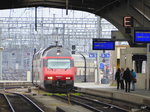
(53, 69)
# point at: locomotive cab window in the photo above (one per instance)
(59, 63)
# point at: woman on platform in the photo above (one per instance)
(133, 73)
(117, 77)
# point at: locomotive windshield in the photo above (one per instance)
(58, 63)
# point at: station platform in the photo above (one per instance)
(138, 96)
(9, 83)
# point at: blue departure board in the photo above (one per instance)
(142, 36)
(99, 44)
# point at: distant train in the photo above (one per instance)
(53, 69)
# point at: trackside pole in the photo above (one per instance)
(98, 78)
(68, 96)
(1, 49)
(1, 64)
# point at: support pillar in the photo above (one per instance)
(129, 61)
(122, 59)
(147, 68)
(1, 77)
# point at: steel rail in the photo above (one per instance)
(80, 103)
(109, 98)
(87, 106)
(11, 107)
(28, 100)
(101, 103)
(95, 109)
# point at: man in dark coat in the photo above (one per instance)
(127, 77)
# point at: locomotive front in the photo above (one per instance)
(58, 70)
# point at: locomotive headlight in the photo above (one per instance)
(50, 78)
(58, 52)
(68, 78)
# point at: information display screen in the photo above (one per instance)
(142, 36)
(99, 44)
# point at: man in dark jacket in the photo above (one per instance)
(127, 77)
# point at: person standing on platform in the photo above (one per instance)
(133, 73)
(117, 77)
(121, 78)
(127, 78)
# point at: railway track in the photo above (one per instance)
(5, 106)
(119, 103)
(132, 107)
(101, 104)
(92, 104)
(96, 105)
(14, 102)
